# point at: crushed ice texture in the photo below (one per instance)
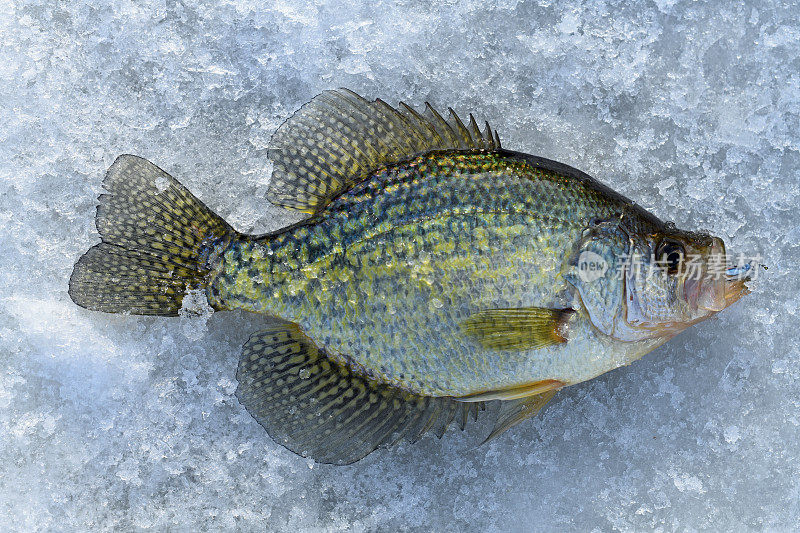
(121, 422)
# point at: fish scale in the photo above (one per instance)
(436, 238)
(436, 274)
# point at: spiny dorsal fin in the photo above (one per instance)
(318, 408)
(338, 138)
(521, 328)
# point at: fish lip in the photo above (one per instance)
(735, 290)
(733, 287)
(722, 284)
(736, 278)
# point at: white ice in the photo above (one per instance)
(121, 422)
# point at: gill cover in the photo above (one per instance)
(596, 268)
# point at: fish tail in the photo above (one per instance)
(158, 241)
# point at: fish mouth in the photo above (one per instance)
(722, 283)
(735, 282)
(720, 291)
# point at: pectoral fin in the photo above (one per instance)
(522, 328)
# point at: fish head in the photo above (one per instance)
(657, 282)
(675, 278)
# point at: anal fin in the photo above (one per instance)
(319, 408)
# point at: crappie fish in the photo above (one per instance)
(437, 272)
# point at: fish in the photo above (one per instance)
(437, 273)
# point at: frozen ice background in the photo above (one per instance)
(118, 422)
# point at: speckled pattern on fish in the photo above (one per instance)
(385, 275)
(436, 272)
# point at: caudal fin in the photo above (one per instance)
(156, 240)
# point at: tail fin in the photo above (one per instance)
(156, 239)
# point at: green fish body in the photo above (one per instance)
(387, 274)
(436, 273)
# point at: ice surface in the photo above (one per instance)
(692, 109)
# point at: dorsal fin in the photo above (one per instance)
(338, 138)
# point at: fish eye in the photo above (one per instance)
(670, 255)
